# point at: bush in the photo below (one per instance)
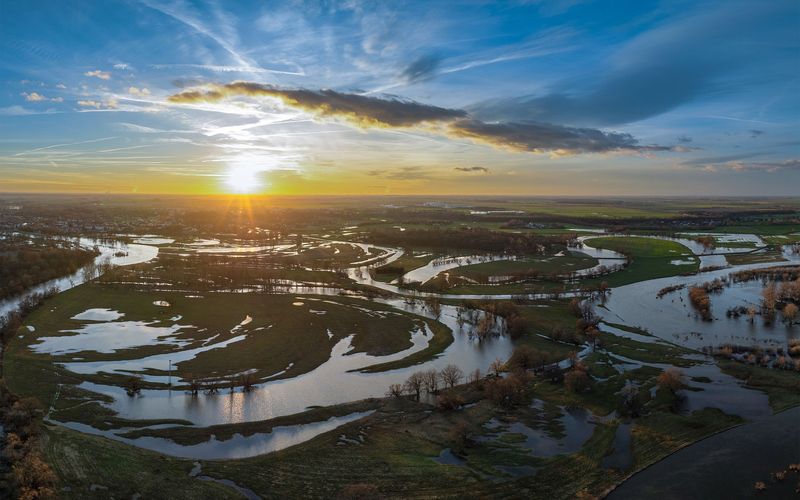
(577, 381)
(507, 392)
(448, 402)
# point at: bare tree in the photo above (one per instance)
(395, 390)
(431, 381)
(451, 375)
(247, 381)
(414, 384)
(434, 306)
(497, 367)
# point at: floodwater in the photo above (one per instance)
(725, 465)
(433, 268)
(116, 253)
(111, 337)
(577, 426)
(335, 381)
(238, 446)
(98, 314)
(673, 318)
(621, 457)
(339, 380)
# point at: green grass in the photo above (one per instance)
(660, 434)
(81, 461)
(274, 339)
(300, 338)
(760, 229)
(545, 265)
(782, 387)
(407, 263)
(769, 255)
(442, 338)
(194, 435)
(784, 239)
(650, 259)
(639, 246)
(647, 352)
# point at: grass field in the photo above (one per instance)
(407, 262)
(274, 339)
(545, 265)
(649, 259)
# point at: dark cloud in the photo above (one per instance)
(403, 174)
(665, 67)
(392, 112)
(478, 170)
(359, 109)
(546, 137)
(421, 69)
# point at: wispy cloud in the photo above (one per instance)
(216, 68)
(423, 68)
(181, 13)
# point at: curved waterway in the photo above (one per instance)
(115, 253)
(673, 319)
(333, 382)
(725, 465)
(339, 380)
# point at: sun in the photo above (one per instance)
(242, 180)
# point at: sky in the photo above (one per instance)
(559, 97)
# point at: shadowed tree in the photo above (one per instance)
(414, 384)
(451, 375)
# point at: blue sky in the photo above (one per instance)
(530, 97)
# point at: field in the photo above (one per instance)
(649, 259)
(250, 336)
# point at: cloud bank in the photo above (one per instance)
(385, 112)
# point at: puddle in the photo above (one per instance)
(99, 315)
(578, 426)
(238, 446)
(108, 338)
(621, 457)
(447, 457)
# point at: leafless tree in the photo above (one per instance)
(451, 375)
(414, 384)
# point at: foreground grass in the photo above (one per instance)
(96, 467)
